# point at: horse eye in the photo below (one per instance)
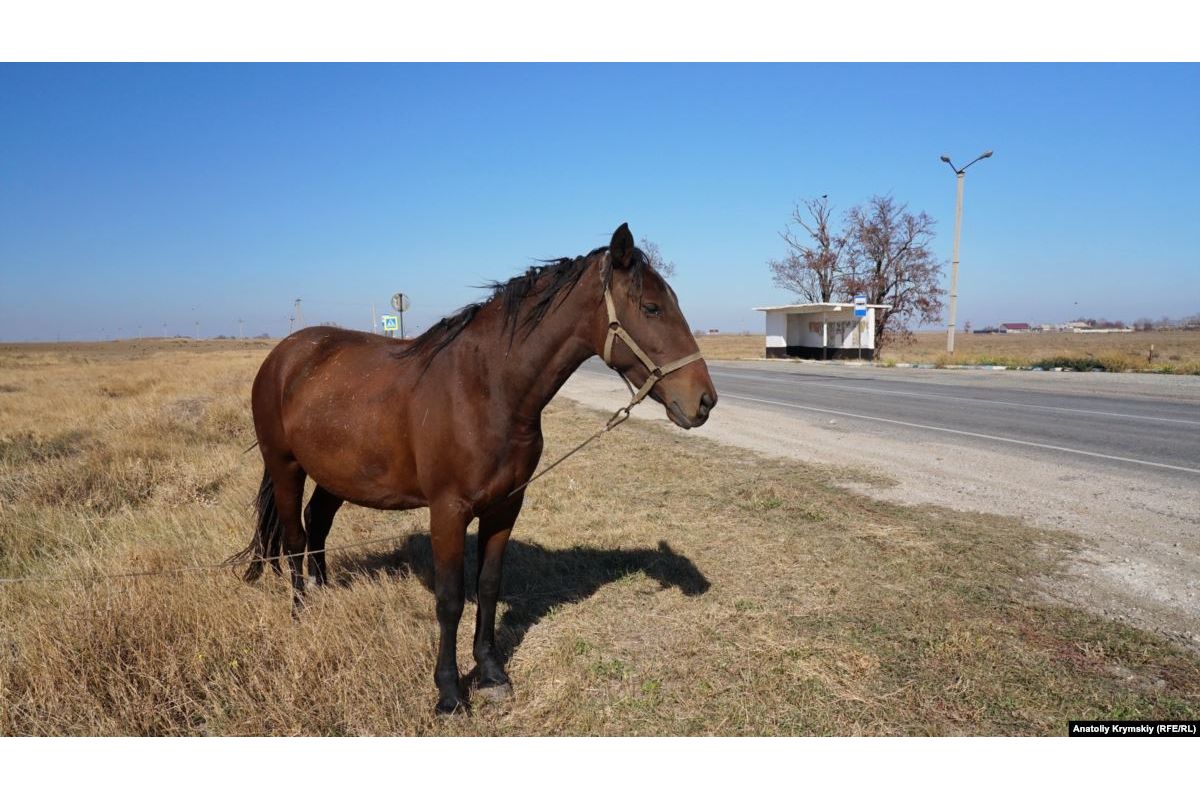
(651, 309)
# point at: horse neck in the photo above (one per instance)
(535, 366)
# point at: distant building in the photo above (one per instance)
(1014, 327)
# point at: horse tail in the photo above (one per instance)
(267, 543)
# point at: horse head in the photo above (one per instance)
(644, 336)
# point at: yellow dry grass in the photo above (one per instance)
(732, 345)
(1174, 351)
(657, 584)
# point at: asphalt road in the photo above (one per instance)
(1149, 425)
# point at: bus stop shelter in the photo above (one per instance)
(820, 330)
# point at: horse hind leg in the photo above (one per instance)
(318, 519)
(289, 495)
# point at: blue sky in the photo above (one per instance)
(133, 195)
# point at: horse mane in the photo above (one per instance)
(547, 284)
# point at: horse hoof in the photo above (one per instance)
(495, 693)
(450, 705)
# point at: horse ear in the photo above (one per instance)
(621, 248)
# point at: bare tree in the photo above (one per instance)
(655, 257)
(812, 269)
(888, 259)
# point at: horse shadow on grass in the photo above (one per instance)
(536, 579)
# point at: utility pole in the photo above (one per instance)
(961, 173)
(400, 302)
(291, 324)
(372, 318)
(197, 329)
(299, 313)
(241, 330)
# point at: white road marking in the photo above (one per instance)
(966, 433)
(936, 396)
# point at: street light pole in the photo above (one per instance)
(958, 205)
(954, 266)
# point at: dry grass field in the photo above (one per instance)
(656, 584)
(1176, 352)
(732, 345)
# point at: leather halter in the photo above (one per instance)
(657, 373)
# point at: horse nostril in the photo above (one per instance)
(706, 404)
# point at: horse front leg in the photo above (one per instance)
(448, 532)
(494, 530)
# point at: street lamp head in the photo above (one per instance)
(988, 154)
(946, 159)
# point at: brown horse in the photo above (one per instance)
(452, 420)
